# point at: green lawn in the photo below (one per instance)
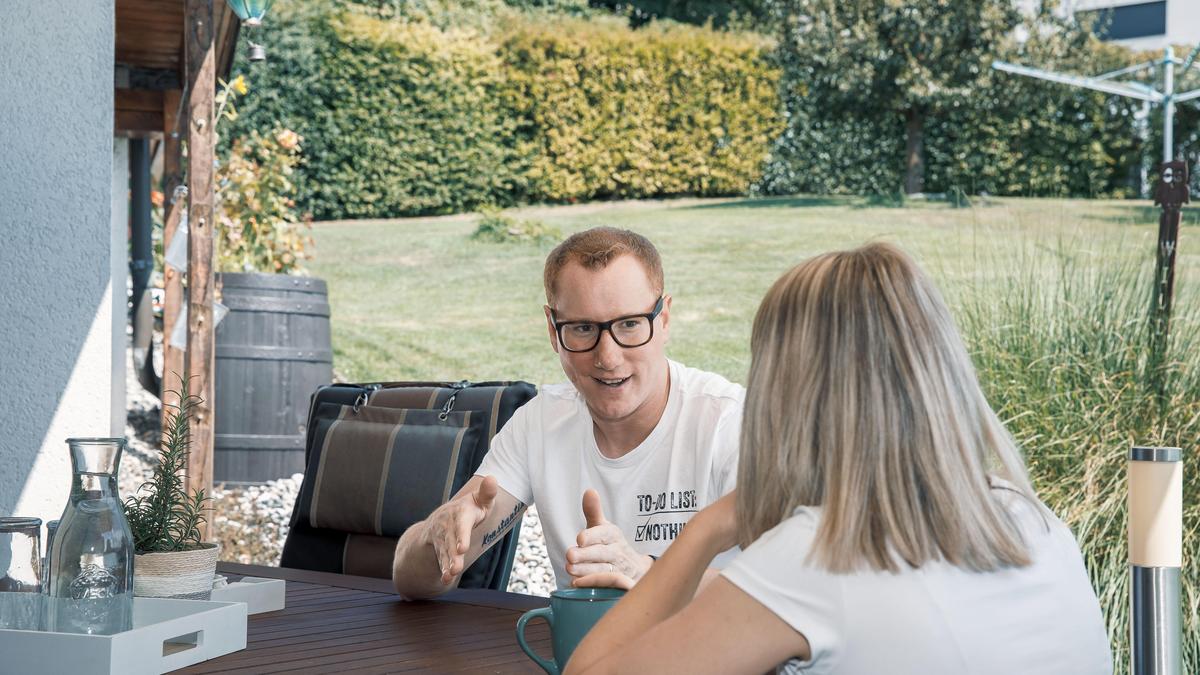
(1052, 297)
(418, 299)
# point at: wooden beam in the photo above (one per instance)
(228, 28)
(137, 122)
(137, 112)
(150, 34)
(200, 57)
(140, 100)
(174, 128)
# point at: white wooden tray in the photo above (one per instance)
(166, 635)
(259, 594)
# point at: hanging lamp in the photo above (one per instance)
(251, 13)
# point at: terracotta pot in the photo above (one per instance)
(180, 574)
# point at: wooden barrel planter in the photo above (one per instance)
(272, 352)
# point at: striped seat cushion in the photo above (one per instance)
(379, 470)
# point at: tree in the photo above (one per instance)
(907, 58)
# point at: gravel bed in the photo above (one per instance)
(251, 522)
(531, 571)
(142, 430)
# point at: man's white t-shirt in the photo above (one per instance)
(1043, 618)
(547, 454)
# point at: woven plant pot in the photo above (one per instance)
(186, 575)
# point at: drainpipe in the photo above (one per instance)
(141, 264)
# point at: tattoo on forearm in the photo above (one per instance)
(511, 518)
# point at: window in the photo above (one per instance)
(1127, 21)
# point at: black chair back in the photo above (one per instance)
(380, 457)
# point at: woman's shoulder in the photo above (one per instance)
(1034, 519)
(777, 572)
(788, 544)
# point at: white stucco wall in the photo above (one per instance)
(58, 250)
(119, 271)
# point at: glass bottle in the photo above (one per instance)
(20, 573)
(91, 566)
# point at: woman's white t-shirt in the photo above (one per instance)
(547, 454)
(1043, 618)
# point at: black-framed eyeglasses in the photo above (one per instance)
(630, 331)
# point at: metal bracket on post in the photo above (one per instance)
(1155, 560)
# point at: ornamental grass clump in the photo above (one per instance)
(162, 515)
(1062, 345)
(495, 227)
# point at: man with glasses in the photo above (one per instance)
(617, 460)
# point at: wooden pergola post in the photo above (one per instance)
(201, 61)
(174, 127)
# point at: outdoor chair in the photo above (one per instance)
(381, 457)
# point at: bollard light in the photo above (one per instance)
(1155, 560)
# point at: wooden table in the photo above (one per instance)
(338, 623)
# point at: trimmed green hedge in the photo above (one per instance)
(404, 114)
(415, 122)
(404, 118)
(610, 112)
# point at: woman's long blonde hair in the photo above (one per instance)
(862, 400)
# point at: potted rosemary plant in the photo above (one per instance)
(170, 560)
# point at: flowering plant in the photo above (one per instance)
(259, 228)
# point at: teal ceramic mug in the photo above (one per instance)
(571, 614)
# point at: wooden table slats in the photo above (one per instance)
(341, 624)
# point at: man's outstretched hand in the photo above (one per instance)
(449, 527)
(602, 557)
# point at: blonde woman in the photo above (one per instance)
(885, 515)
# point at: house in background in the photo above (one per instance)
(1139, 24)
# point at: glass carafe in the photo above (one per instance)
(91, 565)
(20, 573)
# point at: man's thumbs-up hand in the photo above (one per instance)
(593, 511)
(603, 557)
